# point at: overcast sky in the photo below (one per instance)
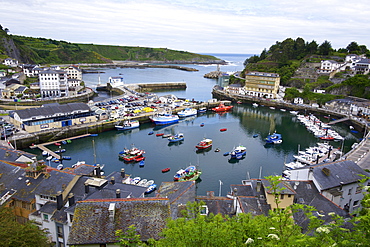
(201, 26)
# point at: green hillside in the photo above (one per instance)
(127, 53)
(48, 51)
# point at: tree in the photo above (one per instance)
(353, 48)
(325, 48)
(21, 235)
(312, 47)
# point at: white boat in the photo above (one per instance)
(163, 119)
(127, 124)
(143, 182)
(49, 157)
(135, 180)
(151, 188)
(294, 112)
(45, 153)
(254, 104)
(150, 182)
(187, 112)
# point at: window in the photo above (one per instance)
(356, 203)
(282, 196)
(358, 190)
(60, 231)
(350, 191)
(46, 217)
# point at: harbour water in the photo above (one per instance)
(242, 123)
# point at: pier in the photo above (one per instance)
(55, 155)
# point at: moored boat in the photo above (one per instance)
(223, 129)
(206, 143)
(190, 173)
(176, 138)
(221, 108)
(187, 112)
(127, 124)
(163, 119)
(238, 152)
(151, 188)
(132, 154)
(166, 169)
(202, 110)
(274, 139)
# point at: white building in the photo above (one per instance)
(337, 181)
(74, 72)
(53, 83)
(328, 66)
(115, 81)
(10, 62)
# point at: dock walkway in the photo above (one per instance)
(55, 155)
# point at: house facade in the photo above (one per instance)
(261, 84)
(74, 72)
(328, 66)
(337, 181)
(53, 83)
(10, 62)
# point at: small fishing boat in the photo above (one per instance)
(159, 134)
(205, 143)
(166, 135)
(163, 119)
(239, 102)
(166, 169)
(255, 105)
(143, 182)
(202, 124)
(127, 124)
(226, 154)
(223, 129)
(176, 138)
(129, 155)
(136, 180)
(150, 182)
(274, 139)
(151, 133)
(202, 110)
(238, 152)
(191, 173)
(49, 157)
(69, 141)
(45, 153)
(255, 135)
(140, 159)
(187, 112)
(60, 151)
(217, 150)
(150, 189)
(64, 142)
(66, 157)
(60, 167)
(57, 144)
(221, 108)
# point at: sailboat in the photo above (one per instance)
(95, 164)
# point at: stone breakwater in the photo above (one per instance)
(214, 74)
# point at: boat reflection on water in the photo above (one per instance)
(205, 150)
(170, 144)
(162, 127)
(233, 161)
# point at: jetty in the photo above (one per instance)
(339, 120)
(55, 155)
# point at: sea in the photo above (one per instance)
(245, 125)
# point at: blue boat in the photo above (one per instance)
(66, 157)
(187, 112)
(274, 139)
(164, 119)
(151, 188)
(176, 138)
(202, 110)
(142, 163)
(238, 152)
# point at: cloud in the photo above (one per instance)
(235, 26)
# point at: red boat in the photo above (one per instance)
(166, 169)
(327, 138)
(221, 108)
(132, 154)
(137, 159)
(206, 143)
(57, 144)
(222, 130)
(159, 134)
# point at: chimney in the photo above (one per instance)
(112, 181)
(71, 199)
(341, 186)
(59, 200)
(123, 172)
(112, 207)
(86, 188)
(97, 171)
(259, 183)
(118, 193)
